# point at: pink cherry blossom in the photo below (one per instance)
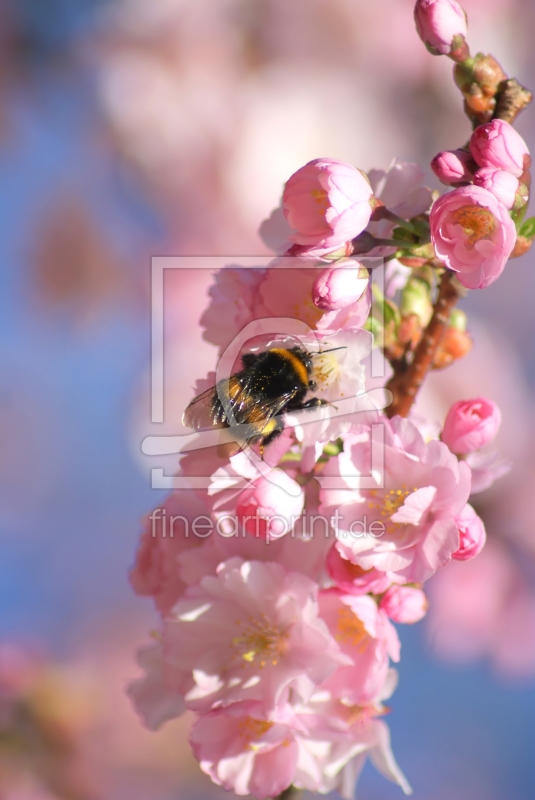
(246, 751)
(303, 551)
(473, 234)
(244, 498)
(231, 303)
(471, 425)
(438, 22)
(406, 604)
(339, 738)
(472, 534)
(154, 698)
(454, 167)
(487, 467)
(320, 746)
(365, 634)
(270, 507)
(497, 144)
(503, 185)
(250, 633)
(327, 203)
(407, 525)
(166, 534)
(338, 287)
(401, 189)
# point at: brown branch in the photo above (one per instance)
(408, 378)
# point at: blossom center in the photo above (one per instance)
(477, 222)
(251, 728)
(325, 371)
(261, 640)
(350, 629)
(390, 502)
(322, 199)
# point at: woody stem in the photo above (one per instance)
(408, 378)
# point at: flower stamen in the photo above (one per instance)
(350, 629)
(477, 222)
(260, 639)
(326, 370)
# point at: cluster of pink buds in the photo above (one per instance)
(305, 534)
(471, 227)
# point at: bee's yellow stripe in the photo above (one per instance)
(296, 363)
(269, 427)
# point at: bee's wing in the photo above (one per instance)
(230, 402)
(205, 411)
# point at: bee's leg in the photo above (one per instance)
(314, 402)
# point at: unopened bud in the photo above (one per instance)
(410, 330)
(472, 534)
(415, 299)
(479, 79)
(454, 345)
(496, 144)
(478, 107)
(406, 604)
(412, 261)
(458, 320)
(454, 167)
(441, 25)
(488, 74)
(523, 244)
(339, 286)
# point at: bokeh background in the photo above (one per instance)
(133, 128)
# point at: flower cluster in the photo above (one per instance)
(314, 523)
(472, 230)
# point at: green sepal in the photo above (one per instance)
(527, 228)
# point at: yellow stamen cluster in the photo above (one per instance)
(477, 222)
(390, 502)
(251, 728)
(260, 642)
(326, 370)
(322, 199)
(350, 629)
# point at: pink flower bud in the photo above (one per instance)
(438, 22)
(453, 167)
(271, 506)
(473, 234)
(497, 144)
(327, 203)
(339, 286)
(405, 604)
(471, 425)
(503, 185)
(471, 532)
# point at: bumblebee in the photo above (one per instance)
(253, 399)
